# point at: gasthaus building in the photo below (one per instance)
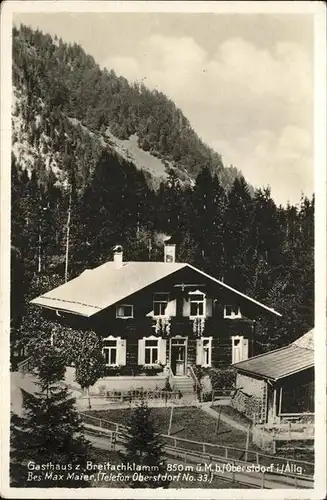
(156, 318)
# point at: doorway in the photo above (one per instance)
(178, 356)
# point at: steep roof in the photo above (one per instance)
(99, 288)
(281, 363)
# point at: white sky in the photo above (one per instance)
(245, 81)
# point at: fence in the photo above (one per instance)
(24, 367)
(227, 453)
(137, 394)
(266, 436)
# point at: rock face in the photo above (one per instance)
(306, 341)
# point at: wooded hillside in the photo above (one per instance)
(74, 194)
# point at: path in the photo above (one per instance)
(223, 417)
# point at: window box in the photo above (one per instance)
(152, 370)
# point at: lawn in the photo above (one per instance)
(188, 423)
(193, 424)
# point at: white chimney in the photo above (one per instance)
(170, 252)
(118, 256)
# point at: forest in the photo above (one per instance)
(76, 197)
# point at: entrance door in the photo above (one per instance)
(178, 356)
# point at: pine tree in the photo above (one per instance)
(143, 446)
(49, 431)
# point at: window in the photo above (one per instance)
(151, 352)
(240, 349)
(204, 351)
(124, 311)
(232, 312)
(160, 303)
(114, 351)
(197, 304)
(110, 352)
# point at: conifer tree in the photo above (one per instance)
(49, 431)
(143, 446)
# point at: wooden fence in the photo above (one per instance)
(228, 453)
(136, 395)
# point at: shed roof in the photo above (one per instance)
(281, 363)
(99, 288)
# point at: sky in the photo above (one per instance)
(244, 81)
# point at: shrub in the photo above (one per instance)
(206, 396)
(222, 378)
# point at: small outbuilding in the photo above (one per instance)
(279, 385)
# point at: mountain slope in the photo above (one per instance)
(60, 88)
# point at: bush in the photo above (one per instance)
(222, 378)
(206, 396)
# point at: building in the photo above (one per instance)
(155, 317)
(278, 386)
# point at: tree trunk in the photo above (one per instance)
(88, 398)
(67, 235)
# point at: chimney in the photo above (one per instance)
(170, 251)
(118, 256)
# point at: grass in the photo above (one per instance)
(193, 424)
(188, 423)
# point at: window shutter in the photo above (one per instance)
(186, 307)
(208, 307)
(171, 308)
(162, 351)
(210, 351)
(245, 349)
(198, 352)
(237, 349)
(141, 352)
(121, 352)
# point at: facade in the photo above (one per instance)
(155, 317)
(278, 386)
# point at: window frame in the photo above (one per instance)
(203, 302)
(207, 365)
(108, 348)
(125, 317)
(160, 302)
(151, 348)
(233, 315)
